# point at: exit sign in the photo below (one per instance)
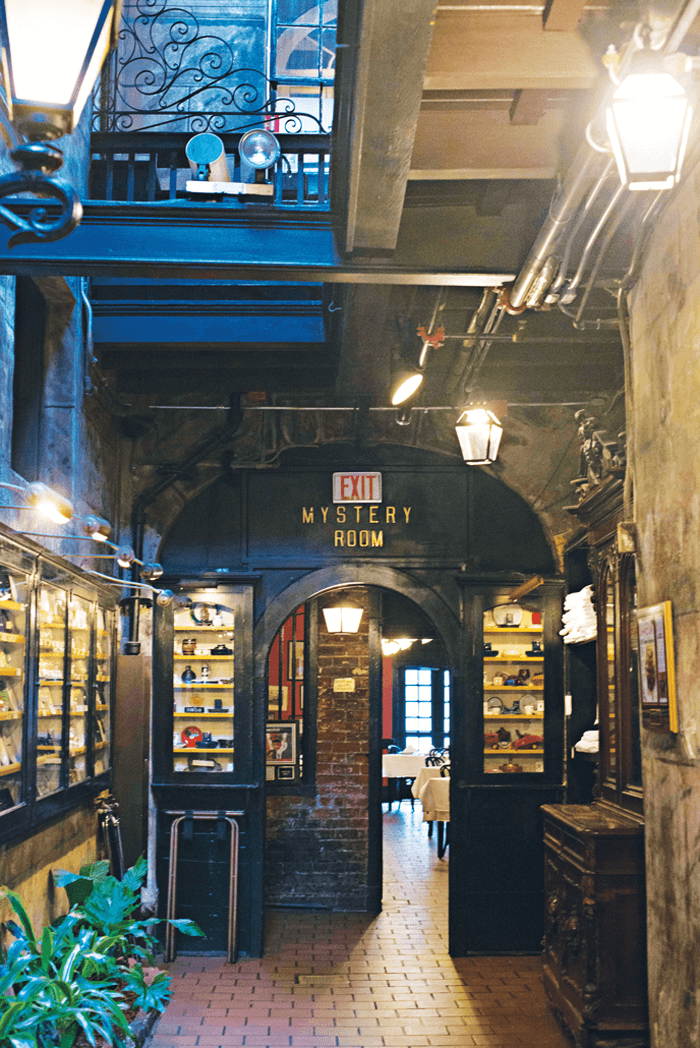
(357, 487)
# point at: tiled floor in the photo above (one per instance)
(353, 981)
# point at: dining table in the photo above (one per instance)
(398, 766)
(432, 789)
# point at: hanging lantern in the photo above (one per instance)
(343, 619)
(648, 121)
(479, 432)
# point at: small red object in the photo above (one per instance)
(191, 736)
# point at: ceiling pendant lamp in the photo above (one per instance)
(343, 619)
(479, 433)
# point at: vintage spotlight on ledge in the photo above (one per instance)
(44, 500)
(343, 619)
(648, 121)
(51, 54)
(479, 432)
(258, 151)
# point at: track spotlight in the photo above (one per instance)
(49, 503)
(151, 572)
(405, 385)
(96, 528)
(125, 556)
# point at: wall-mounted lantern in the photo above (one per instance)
(51, 55)
(343, 619)
(479, 432)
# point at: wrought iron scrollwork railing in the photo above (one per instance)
(172, 72)
(152, 167)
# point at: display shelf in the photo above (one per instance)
(102, 678)
(521, 753)
(218, 715)
(52, 624)
(512, 629)
(209, 658)
(194, 750)
(11, 605)
(513, 658)
(10, 715)
(10, 769)
(203, 629)
(9, 671)
(513, 687)
(11, 638)
(514, 716)
(101, 706)
(203, 687)
(48, 713)
(51, 682)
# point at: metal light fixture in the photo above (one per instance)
(648, 121)
(258, 150)
(51, 55)
(125, 557)
(151, 572)
(49, 503)
(96, 528)
(343, 619)
(479, 432)
(406, 383)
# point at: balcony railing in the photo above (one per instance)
(152, 167)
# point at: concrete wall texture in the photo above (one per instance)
(665, 455)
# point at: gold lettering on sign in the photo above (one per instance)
(324, 513)
(307, 515)
(339, 538)
(358, 510)
(364, 538)
(340, 515)
(373, 515)
(407, 512)
(351, 538)
(377, 538)
(390, 514)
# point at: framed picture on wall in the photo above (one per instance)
(657, 678)
(295, 660)
(281, 743)
(273, 700)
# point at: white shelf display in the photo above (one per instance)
(513, 689)
(203, 662)
(79, 622)
(51, 671)
(13, 649)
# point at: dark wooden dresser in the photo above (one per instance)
(594, 945)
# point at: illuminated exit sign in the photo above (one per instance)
(357, 487)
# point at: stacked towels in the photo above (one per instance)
(579, 617)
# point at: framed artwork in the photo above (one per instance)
(295, 660)
(281, 743)
(273, 700)
(656, 665)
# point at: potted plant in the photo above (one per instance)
(88, 975)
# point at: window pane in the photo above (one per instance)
(411, 676)
(411, 709)
(425, 677)
(413, 724)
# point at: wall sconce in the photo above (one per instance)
(479, 432)
(648, 121)
(51, 55)
(343, 619)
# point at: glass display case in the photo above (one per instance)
(13, 664)
(203, 693)
(56, 669)
(514, 688)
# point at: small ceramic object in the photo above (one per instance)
(205, 671)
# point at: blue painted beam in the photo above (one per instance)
(199, 328)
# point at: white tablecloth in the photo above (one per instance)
(429, 772)
(435, 798)
(401, 765)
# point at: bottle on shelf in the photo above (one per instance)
(188, 675)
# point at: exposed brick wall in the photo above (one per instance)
(317, 846)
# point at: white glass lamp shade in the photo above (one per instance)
(54, 51)
(96, 528)
(344, 619)
(648, 122)
(49, 503)
(479, 433)
(405, 385)
(259, 148)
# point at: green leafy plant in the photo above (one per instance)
(84, 973)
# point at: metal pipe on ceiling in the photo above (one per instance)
(585, 167)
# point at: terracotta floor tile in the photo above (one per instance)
(360, 981)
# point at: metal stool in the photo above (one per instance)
(215, 816)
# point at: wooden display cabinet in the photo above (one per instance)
(595, 945)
